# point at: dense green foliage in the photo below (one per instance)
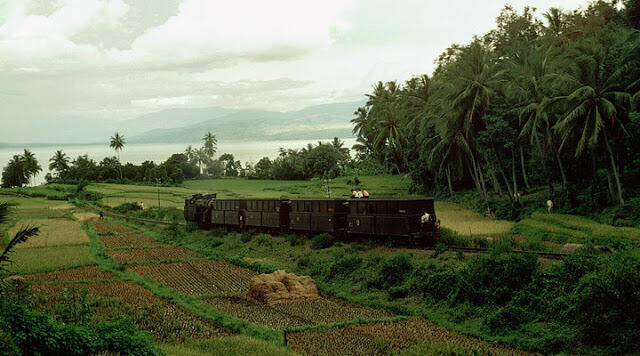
(324, 160)
(20, 169)
(520, 107)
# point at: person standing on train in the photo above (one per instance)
(353, 194)
(365, 194)
(359, 194)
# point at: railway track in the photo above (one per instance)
(543, 254)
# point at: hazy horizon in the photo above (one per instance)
(76, 63)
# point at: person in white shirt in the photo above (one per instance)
(359, 194)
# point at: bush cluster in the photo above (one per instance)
(585, 300)
(24, 331)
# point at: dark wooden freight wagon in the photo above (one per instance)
(390, 217)
(318, 215)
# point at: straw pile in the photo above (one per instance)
(282, 287)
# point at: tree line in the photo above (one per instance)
(326, 159)
(537, 101)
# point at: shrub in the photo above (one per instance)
(607, 304)
(264, 240)
(7, 345)
(343, 266)
(246, 236)
(507, 317)
(393, 271)
(90, 196)
(294, 239)
(494, 278)
(304, 262)
(322, 241)
(127, 208)
(440, 248)
(191, 227)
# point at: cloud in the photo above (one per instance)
(30, 37)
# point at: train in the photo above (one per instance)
(411, 221)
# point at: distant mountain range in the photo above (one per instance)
(189, 125)
(321, 121)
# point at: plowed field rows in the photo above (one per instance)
(165, 321)
(256, 313)
(367, 338)
(198, 277)
(152, 254)
(127, 291)
(328, 311)
(103, 226)
(73, 274)
(128, 240)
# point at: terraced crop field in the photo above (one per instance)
(129, 240)
(257, 313)
(71, 275)
(103, 227)
(198, 277)
(374, 338)
(329, 311)
(45, 259)
(152, 254)
(166, 322)
(53, 232)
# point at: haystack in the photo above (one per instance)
(282, 287)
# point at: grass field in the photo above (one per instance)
(45, 259)
(469, 223)
(53, 232)
(378, 187)
(562, 228)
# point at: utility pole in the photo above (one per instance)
(158, 186)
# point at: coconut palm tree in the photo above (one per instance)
(597, 109)
(360, 122)
(117, 142)
(31, 166)
(210, 144)
(530, 77)
(190, 153)
(59, 162)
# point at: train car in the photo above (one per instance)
(265, 214)
(318, 215)
(197, 209)
(413, 220)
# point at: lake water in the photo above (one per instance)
(138, 153)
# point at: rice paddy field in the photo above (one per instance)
(469, 223)
(378, 187)
(563, 228)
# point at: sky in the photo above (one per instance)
(118, 59)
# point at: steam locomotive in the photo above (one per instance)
(412, 220)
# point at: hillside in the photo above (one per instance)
(321, 121)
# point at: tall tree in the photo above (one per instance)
(14, 174)
(210, 144)
(117, 142)
(31, 165)
(59, 162)
(598, 107)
